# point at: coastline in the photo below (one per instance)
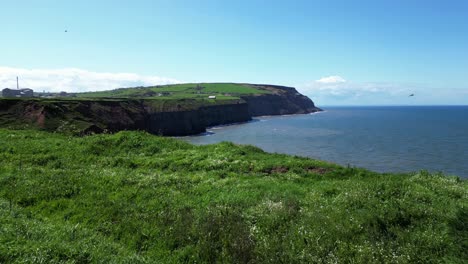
(166, 117)
(253, 120)
(386, 140)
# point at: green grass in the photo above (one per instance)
(136, 198)
(188, 90)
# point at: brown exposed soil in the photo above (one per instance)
(278, 170)
(318, 170)
(36, 114)
(41, 119)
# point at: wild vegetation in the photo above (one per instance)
(132, 197)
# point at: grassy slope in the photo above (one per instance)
(132, 197)
(177, 91)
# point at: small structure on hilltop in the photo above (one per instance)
(25, 92)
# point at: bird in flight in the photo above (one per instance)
(411, 95)
(66, 31)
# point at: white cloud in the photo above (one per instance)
(75, 80)
(338, 86)
(331, 80)
(337, 90)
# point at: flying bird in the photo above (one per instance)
(411, 95)
(66, 31)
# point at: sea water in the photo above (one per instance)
(383, 139)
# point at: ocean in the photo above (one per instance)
(383, 139)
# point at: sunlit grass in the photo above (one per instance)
(137, 198)
(187, 90)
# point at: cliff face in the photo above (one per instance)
(181, 123)
(162, 117)
(83, 117)
(282, 101)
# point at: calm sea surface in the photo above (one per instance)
(384, 139)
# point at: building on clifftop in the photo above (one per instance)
(25, 92)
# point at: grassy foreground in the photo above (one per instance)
(136, 198)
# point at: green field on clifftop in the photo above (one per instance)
(177, 91)
(132, 197)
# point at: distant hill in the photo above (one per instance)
(173, 110)
(184, 91)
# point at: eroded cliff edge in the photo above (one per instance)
(163, 117)
(282, 100)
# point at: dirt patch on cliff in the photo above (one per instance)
(41, 119)
(35, 114)
(318, 170)
(283, 169)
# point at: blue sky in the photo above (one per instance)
(336, 52)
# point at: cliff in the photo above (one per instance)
(83, 117)
(281, 101)
(189, 122)
(169, 117)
